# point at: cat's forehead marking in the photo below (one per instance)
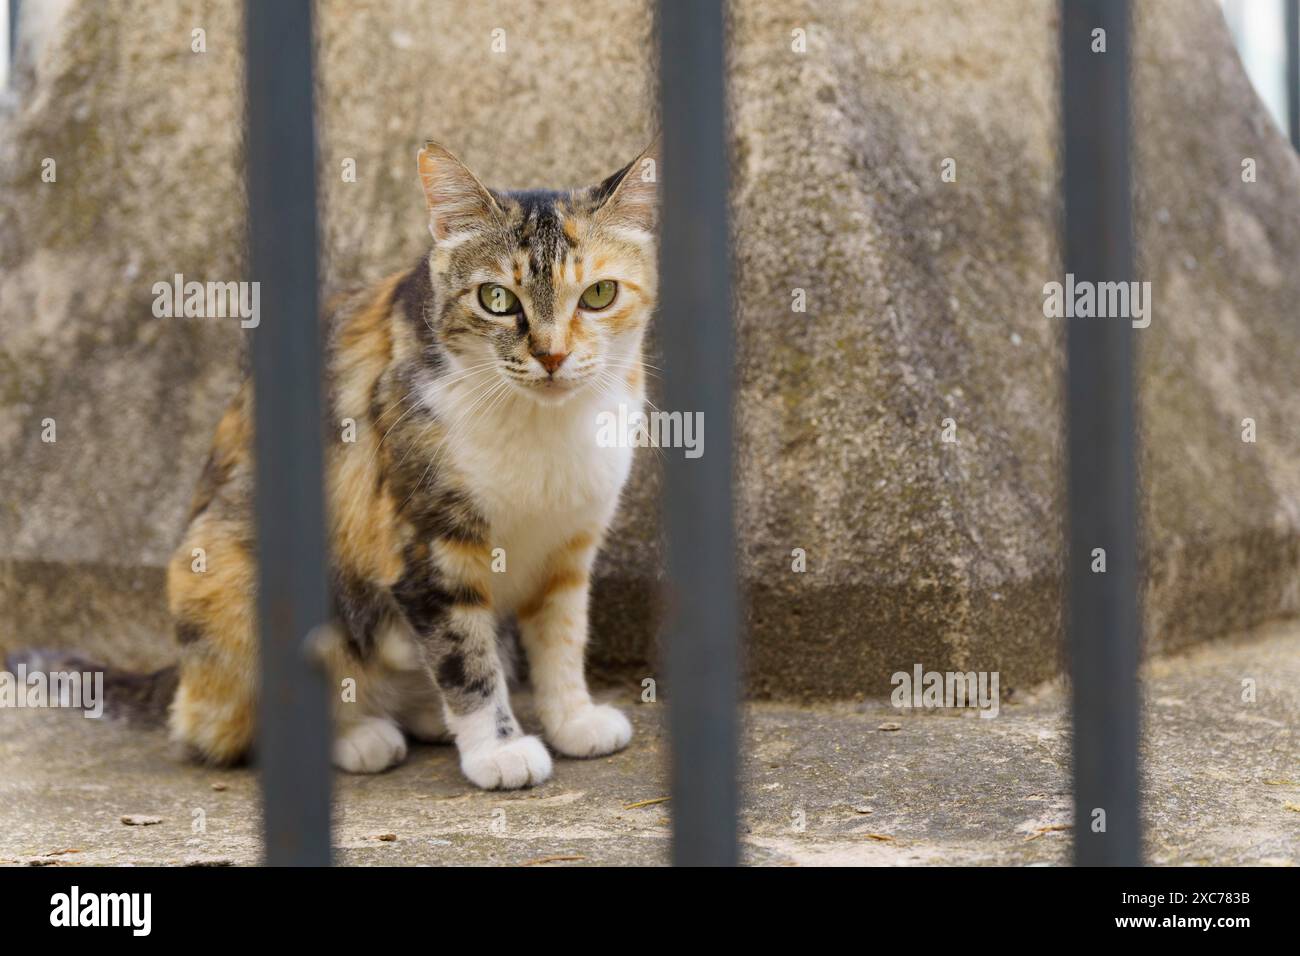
(548, 243)
(546, 236)
(570, 228)
(543, 224)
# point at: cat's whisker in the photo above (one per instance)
(460, 375)
(419, 439)
(502, 397)
(615, 383)
(608, 383)
(483, 396)
(375, 451)
(631, 360)
(611, 384)
(415, 393)
(463, 419)
(443, 384)
(401, 401)
(633, 368)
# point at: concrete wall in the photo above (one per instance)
(924, 303)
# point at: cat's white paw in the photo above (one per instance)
(369, 745)
(591, 732)
(507, 765)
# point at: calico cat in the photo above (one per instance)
(474, 493)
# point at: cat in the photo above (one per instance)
(475, 492)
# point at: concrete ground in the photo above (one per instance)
(823, 785)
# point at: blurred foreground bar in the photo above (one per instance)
(695, 332)
(294, 718)
(1102, 611)
(1292, 24)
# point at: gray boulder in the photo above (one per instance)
(924, 303)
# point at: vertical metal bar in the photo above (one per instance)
(1103, 626)
(695, 328)
(294, 717)
(14, 7)
(1292, 24)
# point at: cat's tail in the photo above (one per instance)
(140, 698)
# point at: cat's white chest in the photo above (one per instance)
(540, 475)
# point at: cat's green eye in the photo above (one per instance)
(599, 295)
(498, 300)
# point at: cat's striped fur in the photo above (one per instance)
(469, 457)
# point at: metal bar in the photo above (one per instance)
(1103, 626)
(294, 719)
(695, 331)
(15, 6)
(1292, 23)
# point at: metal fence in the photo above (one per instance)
(14, 8)
(1102, 621)
(696, 334)
(294, 724)
(1291, 22)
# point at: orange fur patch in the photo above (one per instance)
(566, 573)
(364, 340)
(563, 580)
(214, 712)
(466, 563)
(619, 319)
(215, 707)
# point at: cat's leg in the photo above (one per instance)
(214, 713)
(445, 597)
(368, 744)
(367, 738)
(553, 630)
(210, 590)
(411, 695)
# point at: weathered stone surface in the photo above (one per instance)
(1218, 778)
(924, 302)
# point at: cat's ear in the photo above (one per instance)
(456, 199)
(631, 196)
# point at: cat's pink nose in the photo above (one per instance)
(551, 360)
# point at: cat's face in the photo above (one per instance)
(551, 290)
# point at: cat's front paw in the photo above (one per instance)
(507, 765)
(369, 745)
(591, 732)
